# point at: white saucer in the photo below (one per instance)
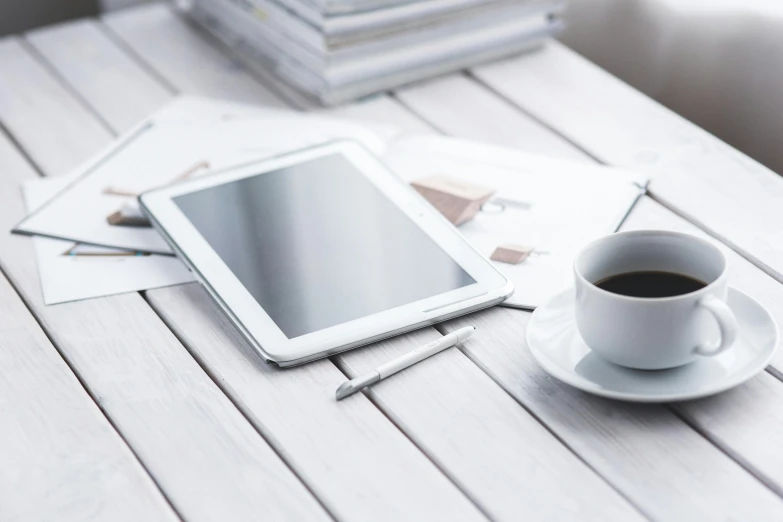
(555, 342)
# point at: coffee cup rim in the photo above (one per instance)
(642, 233)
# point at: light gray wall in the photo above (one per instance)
(717, 64)
(21, 15)
(111, 5)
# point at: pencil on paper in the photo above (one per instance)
(112, 191)
(192, 170)
(127, 193)
(499, 205)
(72, 252)
(131, 216)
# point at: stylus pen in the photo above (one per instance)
(404, 361)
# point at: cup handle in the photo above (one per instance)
(726, 322)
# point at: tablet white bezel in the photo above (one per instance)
(265, 336)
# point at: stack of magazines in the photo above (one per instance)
(333, 51)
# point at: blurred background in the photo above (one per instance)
(715, 62)
(718, 63)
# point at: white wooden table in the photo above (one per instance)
(149, 407)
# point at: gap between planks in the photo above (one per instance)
(202, 364)
(441, 328)
(33, 52)
(67, 366)
(343, 367)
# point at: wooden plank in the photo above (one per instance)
(726, 192)
(613, 438)
(458, 106)
(175, 50)
(67, 142)
(352, 457)
(61, 457)
(746, 423)
(202, 452)
(381, 109)
(459, 452)
(85, 38)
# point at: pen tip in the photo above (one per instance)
(344, 390)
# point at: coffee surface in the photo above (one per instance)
(650, 284)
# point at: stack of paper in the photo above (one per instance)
(550, 205)
(331, 51)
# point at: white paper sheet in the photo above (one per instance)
(553, 205)
(70, 272)
(192, 136)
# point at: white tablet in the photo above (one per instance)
(321, 251)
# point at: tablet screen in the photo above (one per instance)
(317, 244)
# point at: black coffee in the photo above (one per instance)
(650, 284)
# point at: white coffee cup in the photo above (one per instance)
(653, 333)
